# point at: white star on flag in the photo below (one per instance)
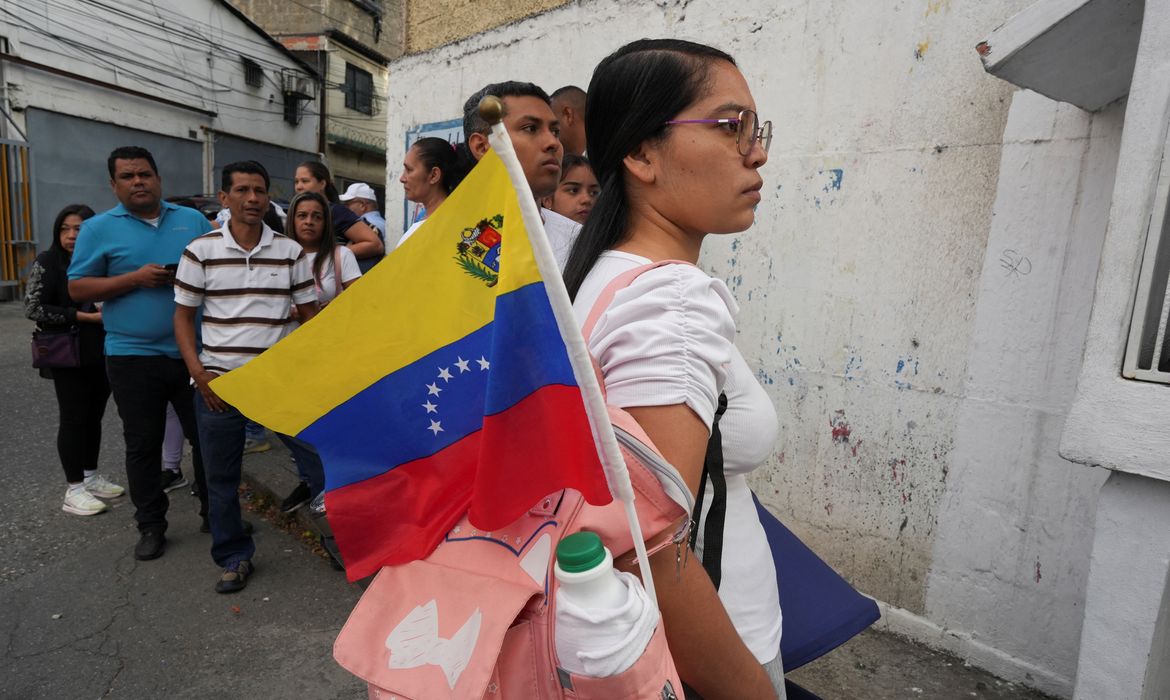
(433, 389)
(445, 374)
(431, 408)
(483, 363)
(435, 428)
(462, 365)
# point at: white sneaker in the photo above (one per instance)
(102, 487)
(79, 501)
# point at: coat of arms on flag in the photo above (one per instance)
(479, 250)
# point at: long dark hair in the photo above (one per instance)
(634, 92)
(73, 209)
(320, 172)
(328, 242)
(438, 153)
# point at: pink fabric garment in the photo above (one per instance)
(476, 618)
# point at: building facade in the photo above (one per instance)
(350, 43)
(196, 83)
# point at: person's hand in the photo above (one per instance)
(90, 316)
(153, 275)
(294, 313)
(202, 384)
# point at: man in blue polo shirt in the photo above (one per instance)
(126, 257)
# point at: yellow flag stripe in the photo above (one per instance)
(415, 301)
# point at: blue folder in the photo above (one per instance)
(821, 611)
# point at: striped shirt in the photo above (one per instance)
(246, 295)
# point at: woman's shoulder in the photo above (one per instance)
(664, 291)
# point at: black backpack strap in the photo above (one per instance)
(717, 513)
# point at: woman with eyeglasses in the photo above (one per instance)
(676, 146)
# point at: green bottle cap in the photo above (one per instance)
(580, 551)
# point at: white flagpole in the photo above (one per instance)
(492, 110)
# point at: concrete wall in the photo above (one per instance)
(430, 24)
(913, 294)
(281, 18)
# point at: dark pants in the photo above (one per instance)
(82, 393)
(142, 388)
(309, 466)
(221, 436)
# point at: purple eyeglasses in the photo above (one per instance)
(748, 130)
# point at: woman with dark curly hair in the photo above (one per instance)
(82, 391)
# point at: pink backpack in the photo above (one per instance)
(476, 618)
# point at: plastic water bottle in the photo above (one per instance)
(604, 619)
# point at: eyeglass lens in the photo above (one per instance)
(750, 131)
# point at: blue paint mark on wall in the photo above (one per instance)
(836, 175)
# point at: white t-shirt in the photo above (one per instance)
(327, 284)
(561, 231)
(669, 339)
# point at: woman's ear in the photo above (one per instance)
(435, 176)
(642, 163)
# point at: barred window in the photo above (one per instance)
(358, 89)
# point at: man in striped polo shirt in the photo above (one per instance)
(246, 278)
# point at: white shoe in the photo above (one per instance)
(79, 501)
(102, 487)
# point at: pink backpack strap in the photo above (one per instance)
(606, 298)
(619, 283)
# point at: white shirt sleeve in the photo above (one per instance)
(349, 266)
(667, 339)
(189, 280)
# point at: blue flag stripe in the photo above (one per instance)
(443, 397)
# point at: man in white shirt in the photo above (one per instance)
(245, 278)
(361, 200)
(535, 132)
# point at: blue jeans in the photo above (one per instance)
(221, 439)
(309, 466)
(255, 431)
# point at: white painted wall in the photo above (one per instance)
(187, 52)
(921, 385)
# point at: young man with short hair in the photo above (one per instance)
(126, 257)
(535, 133)
(246, 279)
(568, 103)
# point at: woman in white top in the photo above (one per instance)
(431, 170)
(676, 145)
(309, 218)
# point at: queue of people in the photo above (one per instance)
(674, 149)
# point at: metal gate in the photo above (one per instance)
(17, 244)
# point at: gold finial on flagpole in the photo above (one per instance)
(491, 109)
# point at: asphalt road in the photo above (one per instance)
(81, 618)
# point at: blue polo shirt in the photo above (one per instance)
(141, 321)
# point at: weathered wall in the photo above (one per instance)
(430, 24)
(861, 284)
(1016, 527)
(383, 32)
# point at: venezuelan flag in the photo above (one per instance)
(436, 385)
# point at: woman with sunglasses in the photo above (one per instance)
(676, 146)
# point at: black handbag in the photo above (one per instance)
(55, 349)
